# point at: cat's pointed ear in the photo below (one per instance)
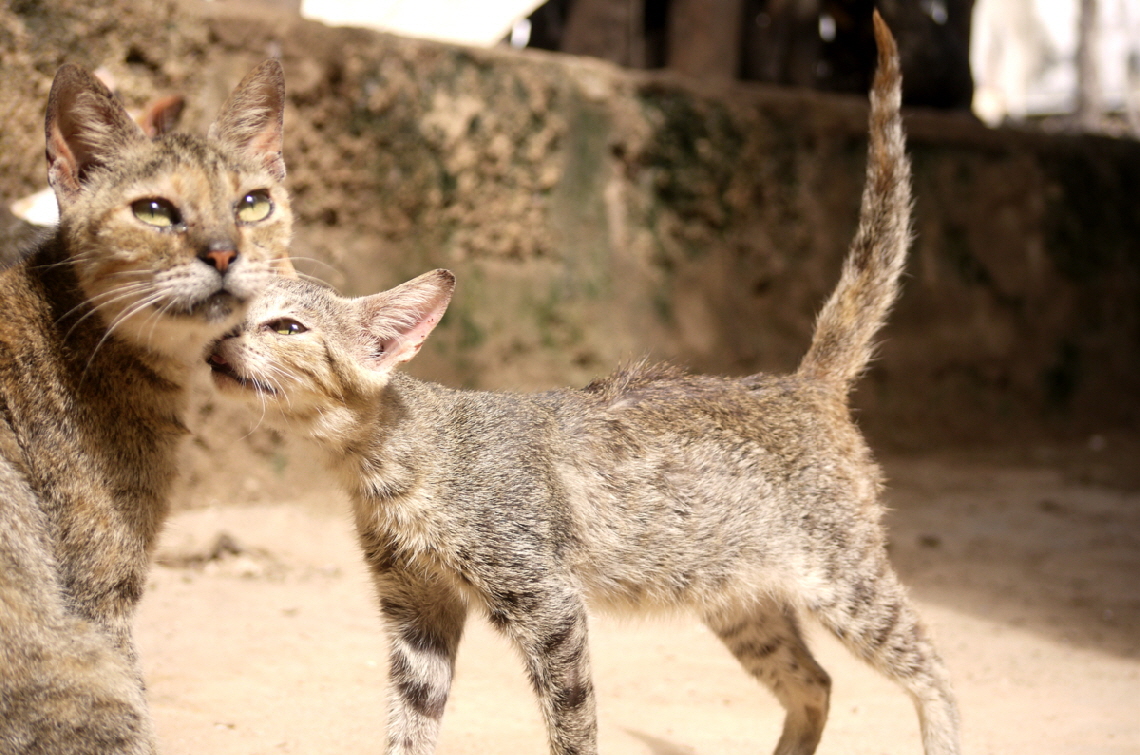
(398, 321)
(161, 116)
(252, 120)
(85, 126)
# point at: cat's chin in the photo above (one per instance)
(220, 308)
(228, 380)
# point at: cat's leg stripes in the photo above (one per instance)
(552, 637)
(875, 619)
(424, 628)
(766, 639)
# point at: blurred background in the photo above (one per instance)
(680, 180)
(1061, 63)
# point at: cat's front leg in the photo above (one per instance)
(424, 621)
(550, 628)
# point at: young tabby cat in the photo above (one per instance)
(748, 500)
(160, 245)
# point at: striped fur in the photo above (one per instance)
(869, 282)
(102, 327)
(751, 502)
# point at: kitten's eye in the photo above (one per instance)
(254, 206)
(285, 327)
(157, 212)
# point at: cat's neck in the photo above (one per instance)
(385, 438)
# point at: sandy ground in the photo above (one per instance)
(1031, 581)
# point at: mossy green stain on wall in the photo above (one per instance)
(578, 216)
(558, 327)
(693, 158)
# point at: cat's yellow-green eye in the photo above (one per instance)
(254, 206)
(285, 327)
(156, 212)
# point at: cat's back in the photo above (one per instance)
(29, 346)
(491, 429)
(647, 413)
(86, 422)
(42, 324)
(757, 433)
(663, 401)
(55, 665)
(24, 304)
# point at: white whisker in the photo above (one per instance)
(314, 278)
(122, 317)
(105, 299)
(156, 318)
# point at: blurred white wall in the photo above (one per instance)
(1023, 56)
(468, 22)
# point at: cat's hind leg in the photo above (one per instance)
(424, 621)
(765, 637)
(869, 611)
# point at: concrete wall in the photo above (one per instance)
(593, 214)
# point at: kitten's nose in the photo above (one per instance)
(219, 258)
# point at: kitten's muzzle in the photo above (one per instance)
(223, 372)
(234, 332)
(219, 365)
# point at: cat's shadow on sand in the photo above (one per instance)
(659, 746)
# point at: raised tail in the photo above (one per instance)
(869, 283)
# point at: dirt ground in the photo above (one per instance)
(258, 635)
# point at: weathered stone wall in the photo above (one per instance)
(593, 215)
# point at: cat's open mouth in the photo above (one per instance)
(224, 373)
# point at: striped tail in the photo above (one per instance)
(843, 343)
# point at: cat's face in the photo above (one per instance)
(170, 238)
(305, 352)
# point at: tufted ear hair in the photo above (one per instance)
(395, 323)
(252, 119)
(84, 127)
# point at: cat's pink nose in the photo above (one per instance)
(220, 258)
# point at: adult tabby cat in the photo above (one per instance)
(160, 244)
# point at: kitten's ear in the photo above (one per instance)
(161, 116)
(398, 321)
(84, 128)
(252, 120)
